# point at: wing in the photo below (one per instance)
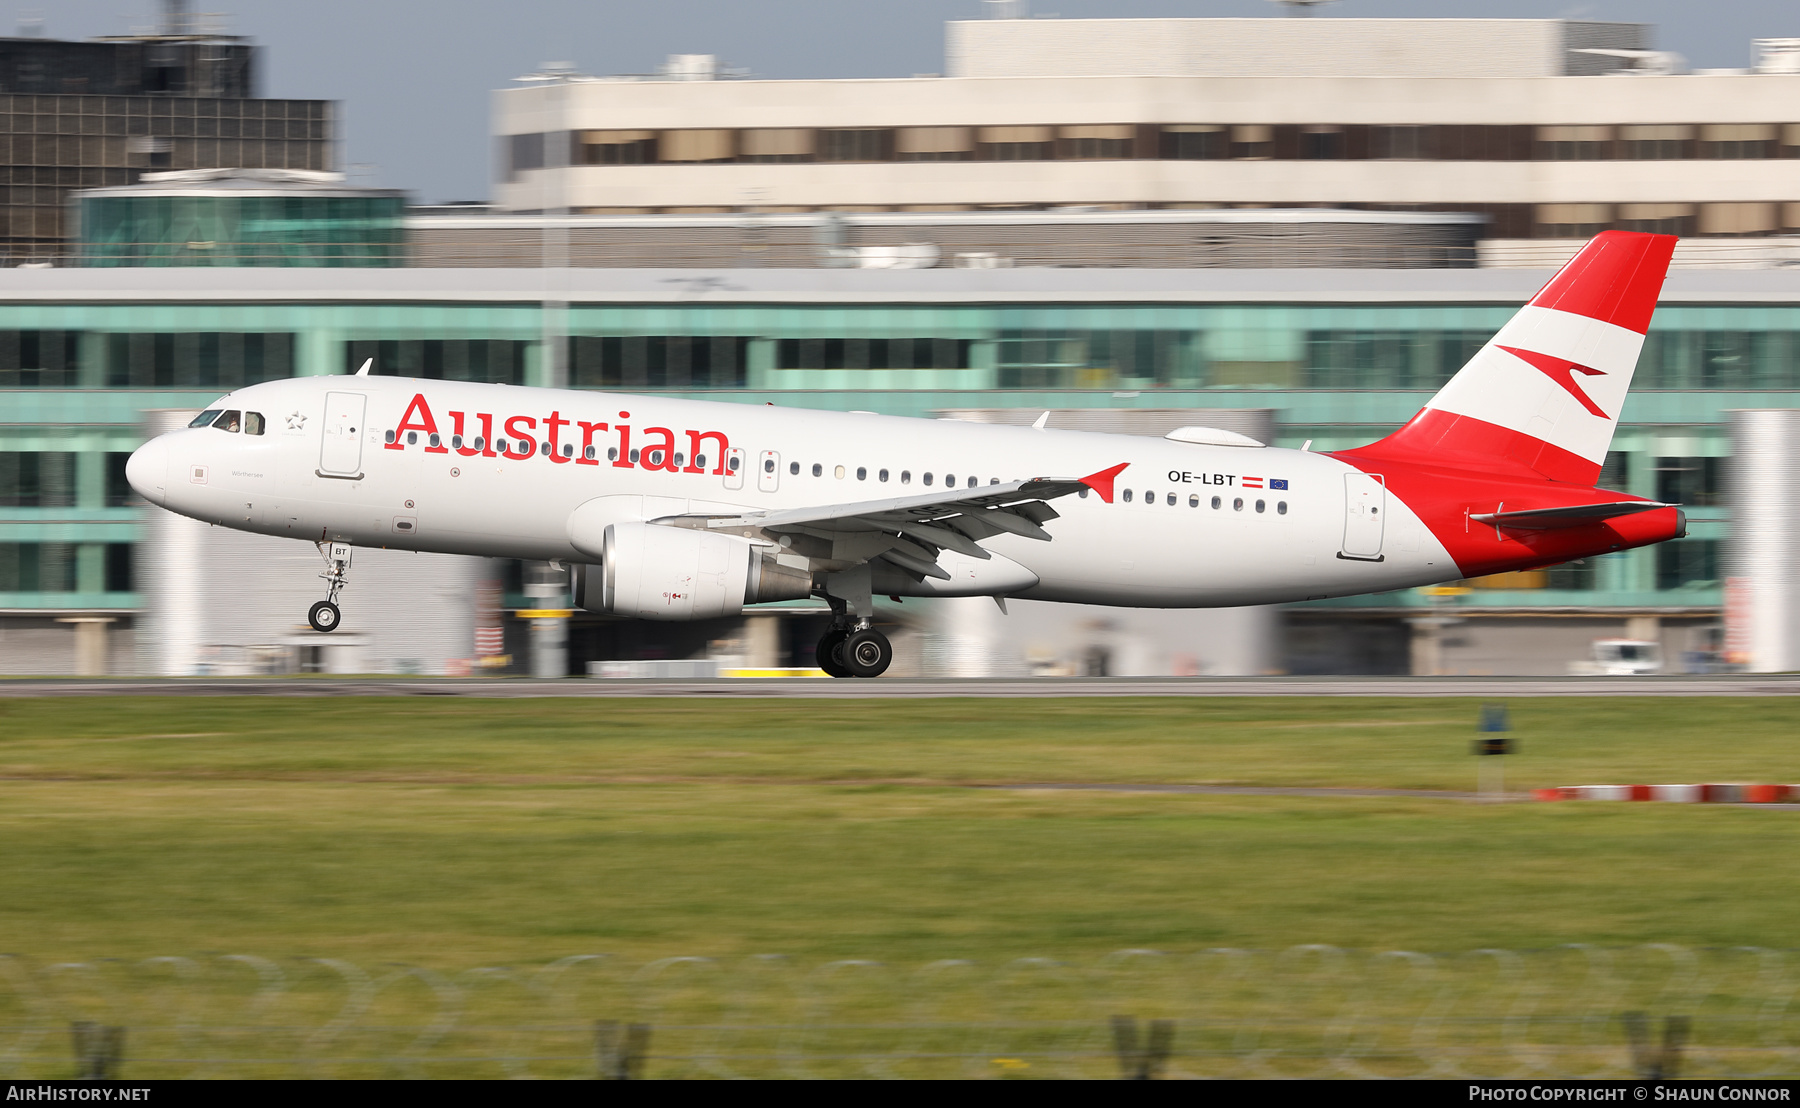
(1548, 519)
(909, 531)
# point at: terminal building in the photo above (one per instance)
(1302, 258)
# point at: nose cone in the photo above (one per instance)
(147, 470)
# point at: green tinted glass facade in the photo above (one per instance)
(1337, 374)
(130, 229)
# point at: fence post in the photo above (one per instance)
(98, 1050)
(1662, 1064)
(619, 1050)
(1143, 1063)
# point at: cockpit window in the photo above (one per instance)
(253, 423)
(230, 421)
(204, 419)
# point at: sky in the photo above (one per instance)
(414, 76)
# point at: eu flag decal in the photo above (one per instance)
(1278, 483)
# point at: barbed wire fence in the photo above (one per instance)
(1307, 1011)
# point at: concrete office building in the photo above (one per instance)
(1519, 120)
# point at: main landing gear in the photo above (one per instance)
(852, 649)
(325, 616)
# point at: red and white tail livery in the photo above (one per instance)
(680, 509)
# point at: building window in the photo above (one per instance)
(695, 146)
(775, 144)
(658, 361)
(1572, 221)
(37, 567)
(118, 567)
(1687, 564)
(934, 144)
(1739, 219)
(1016, 144)
(1095, 142)
(1253, 141)
(1692, 482)
(1194, 142)
(1574, 144)
(1734, 141)
(37, 479)
(1656, 141)
(1615, 472)
(1098, 359)
(1657, 219)
(1572, 576)
(118, 490)
(493, 361)
(1322, 143)
(524, 152)
(616, 147)
(1405, 143)
(1396, 359)
(208, 359)
(873, 353)
(854, 145)
(39, 359)
(1720, 360)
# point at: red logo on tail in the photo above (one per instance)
(1562, 371)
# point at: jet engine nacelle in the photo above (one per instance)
(651, 571)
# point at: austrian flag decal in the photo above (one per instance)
(1251, 482)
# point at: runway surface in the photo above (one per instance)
(910, 688)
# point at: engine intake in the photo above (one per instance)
(678, 573)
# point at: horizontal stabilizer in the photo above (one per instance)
(1575, 515)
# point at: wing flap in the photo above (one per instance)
(1574, 515)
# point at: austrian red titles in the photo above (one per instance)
(522, 435)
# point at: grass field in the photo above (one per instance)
(462, 833)
(465, 831)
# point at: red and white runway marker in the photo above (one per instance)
(1677, 794)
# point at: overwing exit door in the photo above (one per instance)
(768, 471)
(340, 453)
(1365, 506)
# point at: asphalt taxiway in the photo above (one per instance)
(912, 688)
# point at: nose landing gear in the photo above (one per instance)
(325, 616)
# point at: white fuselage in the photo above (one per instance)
(318, 474)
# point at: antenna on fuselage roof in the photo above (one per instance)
(364, 371)
(1038, 424)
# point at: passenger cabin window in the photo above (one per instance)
(793, 469)
(230, 421)
(906, 477)
(1127, 496)
(926, 478)
(818, 470)
(204, 419)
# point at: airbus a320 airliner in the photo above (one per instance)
(678, 509)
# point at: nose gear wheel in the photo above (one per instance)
(324, 616)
